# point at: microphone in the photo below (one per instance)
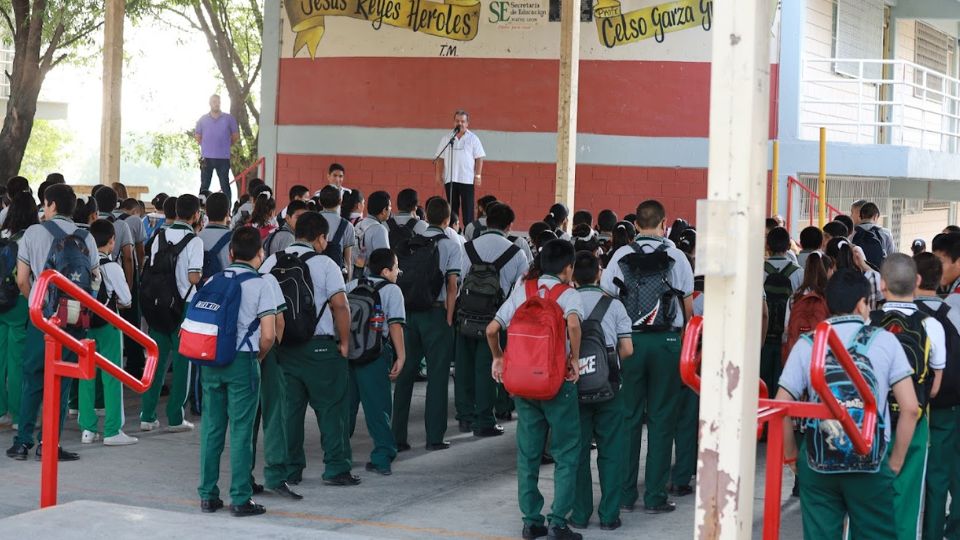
(456, 129)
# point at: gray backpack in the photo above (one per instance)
(366, 322)
(599, 365)
(650, 299)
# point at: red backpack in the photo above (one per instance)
(807, 312)
(535, 362)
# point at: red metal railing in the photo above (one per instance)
(241, 179)
(88, 359)
(772, 412)
(813, 199)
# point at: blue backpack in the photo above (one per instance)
(208, 335)
(70, 256)
(211, 258)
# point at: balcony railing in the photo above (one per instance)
(909, 105)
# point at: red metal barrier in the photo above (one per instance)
(241, 179)
(88, 359)
(772, 412)
(832, 211)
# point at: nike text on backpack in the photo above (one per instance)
(212, 263)
(779, 289)
(599, 365)
(296, 284)
(159, 295)
(422, 280)
(208, 336)
(870, 242)
(9, 290)
(398, 233)
(806, 313)
(366, 322)
(334, 249)
(829, 450)
(535, 361)
(109, 300)
(481, 295)
(70, 256)
(949, 394)
(650, 299)
(913, 338)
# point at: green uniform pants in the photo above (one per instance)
(425, 335)
(475, 391)
(825, 499)
(31, 396)
(230, 397)
(370, 385)
(771, 363)
(13, 334)
(169, 345)
(561, 415)
(651, 383)
(908, 485)
(110, 346)
(685, 439)
(272, 396)
(314, 373)
(602, 422)
(943, 476)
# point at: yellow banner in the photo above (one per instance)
(617, 28)
(453, 19)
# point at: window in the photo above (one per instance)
(858, 34)
(933, 51)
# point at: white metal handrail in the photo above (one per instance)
(923, 114)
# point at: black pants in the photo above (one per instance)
(222, 168)
(461, 195)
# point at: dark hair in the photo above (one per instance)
(623, 234)
(260, 190)
(170, 207)
(556, 216)
(217, 206)
(253, 185)
(845, 219)
(500, 216)
(650, 214)
(55, 178)
(438, 211)
(380, 260)
(952, 228)
(295, 206)
(869, 211)
(63, 197)
(335, 167)
(814, 275)
(582, 217)
(930, 269)
(770, 223)
(948, 244)
(22, 213)
(586, 268)
(188, 206)
(377, 202)
(311, 225)
(811, 238)
(130, 204)
(83, 209)
(545, 237)
(483, 202)
(158, 201)
(556, 255)
(407, 200)
(687, 241)
(261, 211)
(630, 218)
(835, 229)
(330, 197)
(350, 203)
(102, 231)
(584, 238)
(845, 290)
(106, 198)
(606, 220)
(841, 251)
(298, 191)
(536, 229)
(245, 243)
(679, 225)
(778, 240)
(17, 184)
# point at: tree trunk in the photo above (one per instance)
(18, 122)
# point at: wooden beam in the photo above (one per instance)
(110, 124)
(567, 108)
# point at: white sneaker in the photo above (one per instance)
(184, 426)
(100, 412)
(120, 439)
(73, 412)
(90, 437)
(149, 426)
(5, 420)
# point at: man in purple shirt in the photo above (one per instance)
(216, 132)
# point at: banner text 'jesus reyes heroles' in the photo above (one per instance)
(617, 28)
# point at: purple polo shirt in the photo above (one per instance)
(215, 135)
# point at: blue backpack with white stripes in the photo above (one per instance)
(208, 335)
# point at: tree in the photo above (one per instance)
(45, 151)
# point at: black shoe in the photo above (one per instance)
(343, 479)
(574, 525)
(257, 488)
(666, 507)
(466, 427)
(612, 526)
(284, 491)
(628, 508)
(504, 416)
(246, 509)
(492, 431)
(547, 459)
(18, 451)
(385, 471)
(62, 455)
(795, 492)
(403, 447)
(563, 533)
(432, 447)
(681, 491)
(209, 506)
(534, 531)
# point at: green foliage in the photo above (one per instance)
(46, 151)
(177, 149)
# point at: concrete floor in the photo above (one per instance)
(466, 492)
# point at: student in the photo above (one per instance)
(560, 414)
(811, 239)
(404, 223)
(188, 270)
(606, 222)
(946, 247)
(429, 333)
(556, 218)
(651, 377)
(218, 229)
(352, 207)
(623, 233)
(475, 228)
(474, 391)
(343, 236)
(863, 487)
(263, 217)
(603, 421)
(296, 193)
(281, 238)
(372, 234)
(123, 253)
(781, 279)
(688, 413)
(847, 255)
(33, 251)
(876, 242)
(231, 392)
(848, 223)
(153, 220)
(241, 214)
(370, 382)
(316, 372)
(335, 175)
(834, 229)
(855, 208)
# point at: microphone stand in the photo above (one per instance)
(449, 185)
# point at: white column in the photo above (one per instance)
(112, 84)
(269, 88)
(567, 109)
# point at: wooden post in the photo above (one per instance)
(739, 133)
(112, 83)
(567, 109)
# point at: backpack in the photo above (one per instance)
(779, 289)
(807, 312)
(159, 295)
(949, 394)
(9, 290)
(478, 229)
(916, 344)
(422, 280)
(535, 361)
(829, 450)
(268, 243)
(366, 321)
(211, 258)
(108, 300)
(599, 369)
(480, 294)
(645, 291)
(69, 256)
(398, 234)
(869, 241)
(296, 284)
(208, 336)
(334, 249)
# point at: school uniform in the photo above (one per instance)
(475, 391)
(244, 211)
(602, 422)
(370, 383)
(475, 228)
(122, 235)
(651, 378)
(886, 238)
(278, 240)
(189, 262)
(771, 353)
(314, 373)
(349, 238)
(211, 235)
(270, 413)
(560, 414)
(230, 396)
(427, 334)
(402, 220)
(372, 234)
(33, 248)
(133, 351)
(13, 334)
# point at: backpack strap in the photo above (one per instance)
(600, 310)
(472, 253)
(769, 268)
(54, 230)
(507, 255)
(338, 236)
(557, 291)
(393, 225)
(182, 244)
(241, 278)
(223, 241)
(411, 224)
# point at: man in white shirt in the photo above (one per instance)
(459, 166)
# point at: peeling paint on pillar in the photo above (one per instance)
(733, 378)
(714, 498)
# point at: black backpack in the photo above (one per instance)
(366, 321)
(870, 242)
(481, 295)
(913, 338)
(599, 369)
(650, 299)
(293, 274)
(9, 290)
(949, 394)
(478, 229)
(398, 234)
(422, 280)
(779, 289)
(163, 307)
(211, 258)
(334, 249)
(108, 300)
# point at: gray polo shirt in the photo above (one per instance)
(135, 223)
(569, 301)
(371, 236)
(471, 230)
(327, 282)
(278, 240)
(190, 259)
(450, 257)
(211, 234)
(33, 248)
(349, 238)
(954, 297)
(115, 282)
(256, 302)
(392, 302)
(122, 232)
(616, 323)
(490, 246)
(403, 219)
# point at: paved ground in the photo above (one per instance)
(467, 492)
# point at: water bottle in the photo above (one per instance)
(377, 319)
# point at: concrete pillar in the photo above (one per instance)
(269, 85)
(112, 84)
(567, 109)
